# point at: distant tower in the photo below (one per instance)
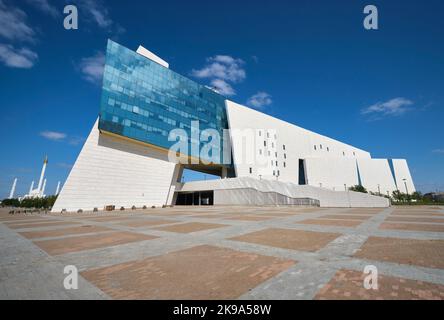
(43, 188)
(39, 187)
(31, 187)
(58, 188)
(11, 194)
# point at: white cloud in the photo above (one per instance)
(13, 24)
(17, 58)
(46, 7)
(260, 100)
(222, 71)
(222, 87)
(438, 151)
(97, 12)
(76, 140)
(92, 67)
(222, 67)
(53, 135)
(64, 165)
(393, 107)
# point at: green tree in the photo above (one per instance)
(417, 196)
(358, 188)
(11, 203)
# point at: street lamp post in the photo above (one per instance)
(405, 184)
(379, 190)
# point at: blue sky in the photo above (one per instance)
(309, 62)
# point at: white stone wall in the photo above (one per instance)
(329, 163)
(113, 171)
(376, 172)
(243, 194)
(299, 144)
(332, 173)
(402, 172)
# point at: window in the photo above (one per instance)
(343, 153)
(283, 146)
(272, 144)
(260, 151)
(315, 147)
(274, 173)
(354, 153)
(285, 156)
(320, 146)
(285, 164)
(279, 173)
(276, 154)
(268, 135)
(269, 153)
(260, 133)
(265, 143)
(271, 162)
(328, 149)
(276, 163)
(251, 170)
(275, 136)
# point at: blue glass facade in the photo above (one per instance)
(143, 100)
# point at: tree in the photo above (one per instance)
(11, 203)
(358, 188)
(417, 196)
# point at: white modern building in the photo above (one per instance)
(126, 160)
(38, 192)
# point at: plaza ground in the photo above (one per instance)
(225, 253)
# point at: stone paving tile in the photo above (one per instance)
(417, 213)
(348, 285)
(43, 224)
(57, 247)
(415, 219)
(63, 232)
(145, 222)
(289, 238)
(362, 211)
(190, 227)
(332, 222)
(27, 221)
(249, 218)
(315, 268)
(207, 216)
(19, 217)
(425, 253)
(201, 272)
(108, 219)
(412, 227)
(346, 217)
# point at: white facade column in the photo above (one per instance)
(11, 194)
(31, 187)
(58, 188)
(43, 188)
(42, 175)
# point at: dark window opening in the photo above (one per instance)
(302, 179)
(202, 198)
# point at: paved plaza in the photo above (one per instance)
(225, 253)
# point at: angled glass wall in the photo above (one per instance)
(143, 100)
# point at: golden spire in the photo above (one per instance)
(46, 160)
